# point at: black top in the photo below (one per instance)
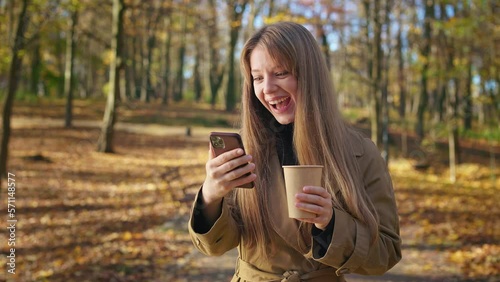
(284, 144)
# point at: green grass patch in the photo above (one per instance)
(490, 134)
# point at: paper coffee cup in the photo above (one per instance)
(296, 177)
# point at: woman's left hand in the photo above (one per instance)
(315, 200)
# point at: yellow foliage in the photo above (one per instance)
(483, 260)
(45, 273)
(107, 57)
(280, 17)
(127, 236)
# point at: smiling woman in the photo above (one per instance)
(290, 116)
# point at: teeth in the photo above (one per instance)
(275, 102)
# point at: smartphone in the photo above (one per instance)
(221, 142)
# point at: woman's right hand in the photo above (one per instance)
(223, 174)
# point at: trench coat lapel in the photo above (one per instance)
(287, 228)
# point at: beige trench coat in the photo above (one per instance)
(350, 250)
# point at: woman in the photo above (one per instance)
(290, 116)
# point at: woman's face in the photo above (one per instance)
(275, 87)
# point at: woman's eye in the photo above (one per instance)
(281, 73)
(257, 78)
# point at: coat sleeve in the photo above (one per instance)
(213, 240)
(350, 249)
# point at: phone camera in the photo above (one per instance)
(217, 142)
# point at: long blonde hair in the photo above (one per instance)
(319, 133)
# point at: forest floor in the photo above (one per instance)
(88, 216)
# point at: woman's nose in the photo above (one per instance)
(269, 85)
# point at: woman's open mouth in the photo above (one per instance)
(280, 105)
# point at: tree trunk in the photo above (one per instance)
(236, 10)
(468, 98)
(90, 74)
(124, 72)
(105, 143)
(168, 44)
(402, 83)
(129, 72)
(68, 73)
(449, 45)
(216, 64)
(179, 87)
(325, 46)
(59, 62)
(422, 106)
(385, 90)
(454, 147)
(451, 145)
(138, 60)
(255, 11)
(153, 19)
(148, 90)
(440, 106)
(482, 106)
(270, 12)
(198, 85)
(373, 101)
(36, 67)
(137, 67)
(378, 61)
(14, 71)
(455, 119)
(230, 94)
(401, 66)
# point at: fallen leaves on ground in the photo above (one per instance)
(88, 216)
(460, 219)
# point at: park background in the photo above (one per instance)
(107, 105)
